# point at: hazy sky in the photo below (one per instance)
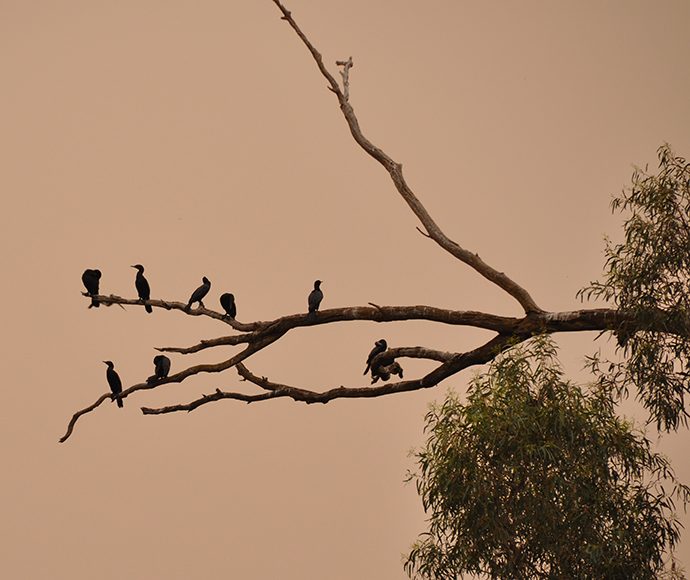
(199, 139)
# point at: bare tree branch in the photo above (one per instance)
(167, 305)
(395, 171)
(345, 73)
(217, 396)
(177, 378)
(454, 363)
(78, 414)
(577, 320)
(260, 334)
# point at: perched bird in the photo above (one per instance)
(199, 294)
(227, 301)
(114, 381)
(315, 299)
(90, 278)
(143, 288)
(380, 347)
(162, 363)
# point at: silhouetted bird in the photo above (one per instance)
(315, 299)
(162, 363)
(199, 294)
(90, 279)
(380, 347)
(114, 381)
(227, 301)
(143, 288)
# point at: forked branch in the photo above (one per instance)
(260, 334)
(453, 363)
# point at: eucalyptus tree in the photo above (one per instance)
(538, 478)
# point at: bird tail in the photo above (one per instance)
(120, 403)
(311, 317)
(94, 302)
(148, 308)
(367, 369)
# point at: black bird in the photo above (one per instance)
(90, 279)
(227, 301)
(143, 288)
(162, 363)
(114, 381)
(199, 294)
(380, 347)
(315, 299)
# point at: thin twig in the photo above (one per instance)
(345, 73)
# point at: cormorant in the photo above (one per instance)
(90, 279)
(380, 347)
(315, 299)
(227, 301)
(199, 294)
(143, 288)
(114, 381)
(162, 363)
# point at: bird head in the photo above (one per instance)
(317, 283)
(139, 267)
(109, 363)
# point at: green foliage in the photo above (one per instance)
(535, 478)
(647, 277)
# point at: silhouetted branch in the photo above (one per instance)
(176, 378)
(455, 363)
(260, 334)
(577, 320)
(167, 305)
(395, 171)
(78, 414)
(217, 396)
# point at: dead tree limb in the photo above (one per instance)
(395, 171)
(453, 363)
(259, 334)
(507, 329)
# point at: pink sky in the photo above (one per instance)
(199, 139)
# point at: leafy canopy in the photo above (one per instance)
(536, 477)
(647, 277)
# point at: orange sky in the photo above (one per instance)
(199, 139)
